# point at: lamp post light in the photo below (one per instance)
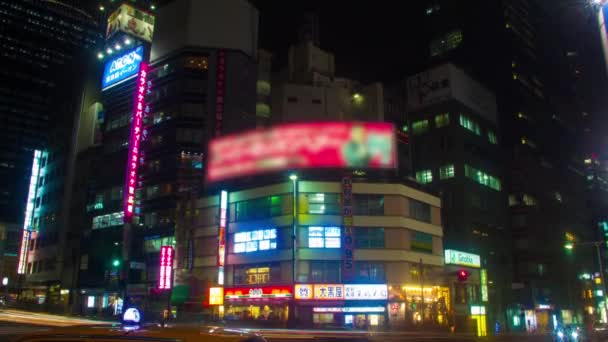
(294, 180)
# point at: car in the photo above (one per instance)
(569, 333)
(146, 333)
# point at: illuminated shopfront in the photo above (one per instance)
(264, 303)
(407, 308)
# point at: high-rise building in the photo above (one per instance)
(198, 87)
(500, 44)
(42, 43)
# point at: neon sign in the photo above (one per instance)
(122, 68)
(341, 291)
(221, 249)
(166, 268)
(271, 292)
(216, 296)
(348, 258)
(29, 209)
(257, 240)
(350, 309)
(134, 146)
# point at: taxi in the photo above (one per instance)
(147, 333)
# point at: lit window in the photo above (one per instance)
(445, 43)
(109, 220)
(442, 120)
(492, 138)
(482, 178)
(446, 171)
(469, 124)
(424, 176)
(324, 237)
(529, 200)
(253, 241)
(419, 127)
(324, 204)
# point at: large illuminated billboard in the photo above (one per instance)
(29, 210)
(131, 20)
(122, 68)
(303, 145)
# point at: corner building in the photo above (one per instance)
(397, 253)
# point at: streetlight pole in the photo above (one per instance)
(294, 180)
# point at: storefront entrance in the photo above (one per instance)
(267, 312)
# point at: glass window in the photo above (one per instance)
(419, 210)
(369, 237)
(109, 220)
(442, 120)
(419, 127)
(253, 241)
(469, 124)
(369, 271)
(482, 177)
(529, 200)
(321, 203)
(153, 245)
(325, 271)
(492, 138)
(445, 42)
(261, 208)
(421, 242)
(324, 237)
(446, 171)
(368, 204)
(424, 176)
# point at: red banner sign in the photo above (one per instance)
(259, 292)
(303, 145)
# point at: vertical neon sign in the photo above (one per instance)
(347, 219)
(134, 142)
(165, 276)
(220, 87)
(29, 209)
(221, 247)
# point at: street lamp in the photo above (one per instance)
(294, 179)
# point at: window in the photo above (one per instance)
(529, 200)
(492, 138)
(324, 204)
(442, 120)
(153, 245)
(424, 176)
(369, 237)
(292, 99)
(421, 242)
(263, 207)
(324, 237)
(469, 124)
(482, 178)
(253, 241)
(109, 220)
(369, 271)
(446, 171)
(419, 210)
(445, 42)
(419, 127)
(325, 271)
(513, 200)
(257, 274)
(368, 204)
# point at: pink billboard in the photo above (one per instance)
(301, 146)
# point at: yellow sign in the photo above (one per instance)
(303, 291)
(329, 291)
(216, 296)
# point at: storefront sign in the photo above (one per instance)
(133, 161)
(461, 258)
(221, 254)
(355, 145)
(216, 296)
(166, 268)
(350, 309)
(483, 279)
(269, 292)
(341, 292)
(122, 68)
(348, 259)
(478, 310)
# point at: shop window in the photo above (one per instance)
(442, 120)
(424, 176)
(253, 241)
(325, 271)
(324, 237)
(419, 210)
(446, 171)
(368, 271)
(420, 127)
(369, 237)
(322, 204)
(368, 204)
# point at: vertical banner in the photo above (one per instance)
(347, 220)
(29, 211)
(131, 182)
(165, 275)
(221, 248)
(220, 86)
(483, 279)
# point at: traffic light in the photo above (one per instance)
(115, 262)
(569, 242)
(463, 275)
